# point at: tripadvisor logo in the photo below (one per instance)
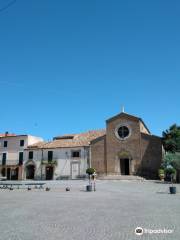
(139, 231)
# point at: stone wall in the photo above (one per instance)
(143, 150)
(98, 158)
(151, 151)
(116, 146)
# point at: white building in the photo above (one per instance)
(66, 157)
(12, 154)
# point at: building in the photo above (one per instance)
(66, 157)
(127, 148)
(12, 154)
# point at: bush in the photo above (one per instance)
(176, 161)
(170, 171)
(161, 171)
(172, 159)
(90, 171)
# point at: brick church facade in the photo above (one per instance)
(127, 148)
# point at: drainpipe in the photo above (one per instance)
(41, 161)
(90, 155)
(86, 158)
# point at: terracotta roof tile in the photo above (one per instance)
(37, 145)
(78, 140)
(7, 134)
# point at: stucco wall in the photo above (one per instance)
(14, 147)
(63, 158)
(34, 139)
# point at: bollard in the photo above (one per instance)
(67, 189)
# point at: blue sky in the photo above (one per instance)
(67, 66)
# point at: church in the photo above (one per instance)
(124, 147)
(127, 148)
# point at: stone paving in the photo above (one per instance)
(111, 213)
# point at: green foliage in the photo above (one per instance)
(172, 159)
(171, 139)
(170, 171)
(161, 171)
(176, 161)
(90, 171)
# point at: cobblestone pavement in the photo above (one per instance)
(111, 213)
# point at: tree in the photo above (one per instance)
(176, 161)
(90, 172)
(171, 139)
(171, 163)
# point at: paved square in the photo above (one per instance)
(111, 213)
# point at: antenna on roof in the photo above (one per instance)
(122, 109)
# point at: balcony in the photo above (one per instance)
(10, 162)
(49, 162)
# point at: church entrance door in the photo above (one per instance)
(124, 166)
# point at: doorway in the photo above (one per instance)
(49, 173)
(74, 170)
(8, 173)
(30, 171)
(124, 166)
(14, 174)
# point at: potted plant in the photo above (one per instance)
(161, 174)
(90, 172)
(172, 172)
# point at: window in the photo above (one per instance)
(20, 158)
(123, 132)
(21, 143)
(31, 155)
(76, 154)
(50, 155)
(5, 143)
(4, 157)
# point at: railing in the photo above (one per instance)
(49, 162)
(10, 162)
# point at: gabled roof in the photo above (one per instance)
(37, 145)
(150, 136)
(76, 140)
(122, 114)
